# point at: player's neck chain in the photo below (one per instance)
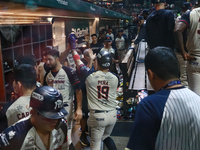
(172, 83)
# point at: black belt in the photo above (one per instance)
(102, 111)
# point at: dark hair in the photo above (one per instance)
(26, 74)
(28, 59)
(53, 52)
(93, 35)
(163, 62)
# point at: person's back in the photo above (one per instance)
(168, 119)
(181, 120)
(105, 88)
(159, 29)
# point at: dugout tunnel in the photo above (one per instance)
(28, 26)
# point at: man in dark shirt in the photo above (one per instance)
(159, 26)
(95, 45)
(142, 32)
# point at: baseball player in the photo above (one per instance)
(24, 83)
(159, 26)
(101, 89)
(44, 129)
(108, 47)
(190, 21)
(65, 80)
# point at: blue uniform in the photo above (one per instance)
(23, 136)
(159, 29)
(168, 119)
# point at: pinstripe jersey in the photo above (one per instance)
(167, 120)
(192, 20)
(64, 80)
(101, 89)
(14, 111)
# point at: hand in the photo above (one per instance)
(91, 55)
(78, 115)
(188, 57)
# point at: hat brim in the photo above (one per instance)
(108, 40)
(54, 115)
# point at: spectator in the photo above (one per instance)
(44, 129)
(24, 83)
(159, 26)
(190, 21)
(168, 119)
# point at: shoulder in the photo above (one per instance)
(13, 137)
(155, 102)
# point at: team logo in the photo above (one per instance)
(106, 65)
(19, 107)
(58, 104)
(11, 134)
(37, 96)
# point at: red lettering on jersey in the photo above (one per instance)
(22, 115)
(103, 82)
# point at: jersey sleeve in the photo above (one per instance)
(13, 137)
(73, 77)
(186, 19)
(147, 122)
(3, 117)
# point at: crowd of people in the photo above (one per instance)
(50, 97)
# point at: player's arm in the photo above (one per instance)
(143, 137)
(77, 59)
(78, 113)
(180, 27)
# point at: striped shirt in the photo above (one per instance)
(167, 120)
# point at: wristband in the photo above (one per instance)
(76, 57)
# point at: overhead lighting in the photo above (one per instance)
(49, 19)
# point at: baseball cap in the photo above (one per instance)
(145, 11)
(108, 38)
(160, 1)
(187, 5)
(120, 30)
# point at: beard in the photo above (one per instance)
(52, 66)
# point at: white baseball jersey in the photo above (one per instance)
(64, 80)
(120, 43)
(101, 90)
(23, 136)
(192, 20)
(14, 111)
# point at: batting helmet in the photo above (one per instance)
(104, 59)
(48, 102)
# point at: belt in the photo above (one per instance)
(102, 111)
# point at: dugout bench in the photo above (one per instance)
(133, 70)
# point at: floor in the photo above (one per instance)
(119, 136)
